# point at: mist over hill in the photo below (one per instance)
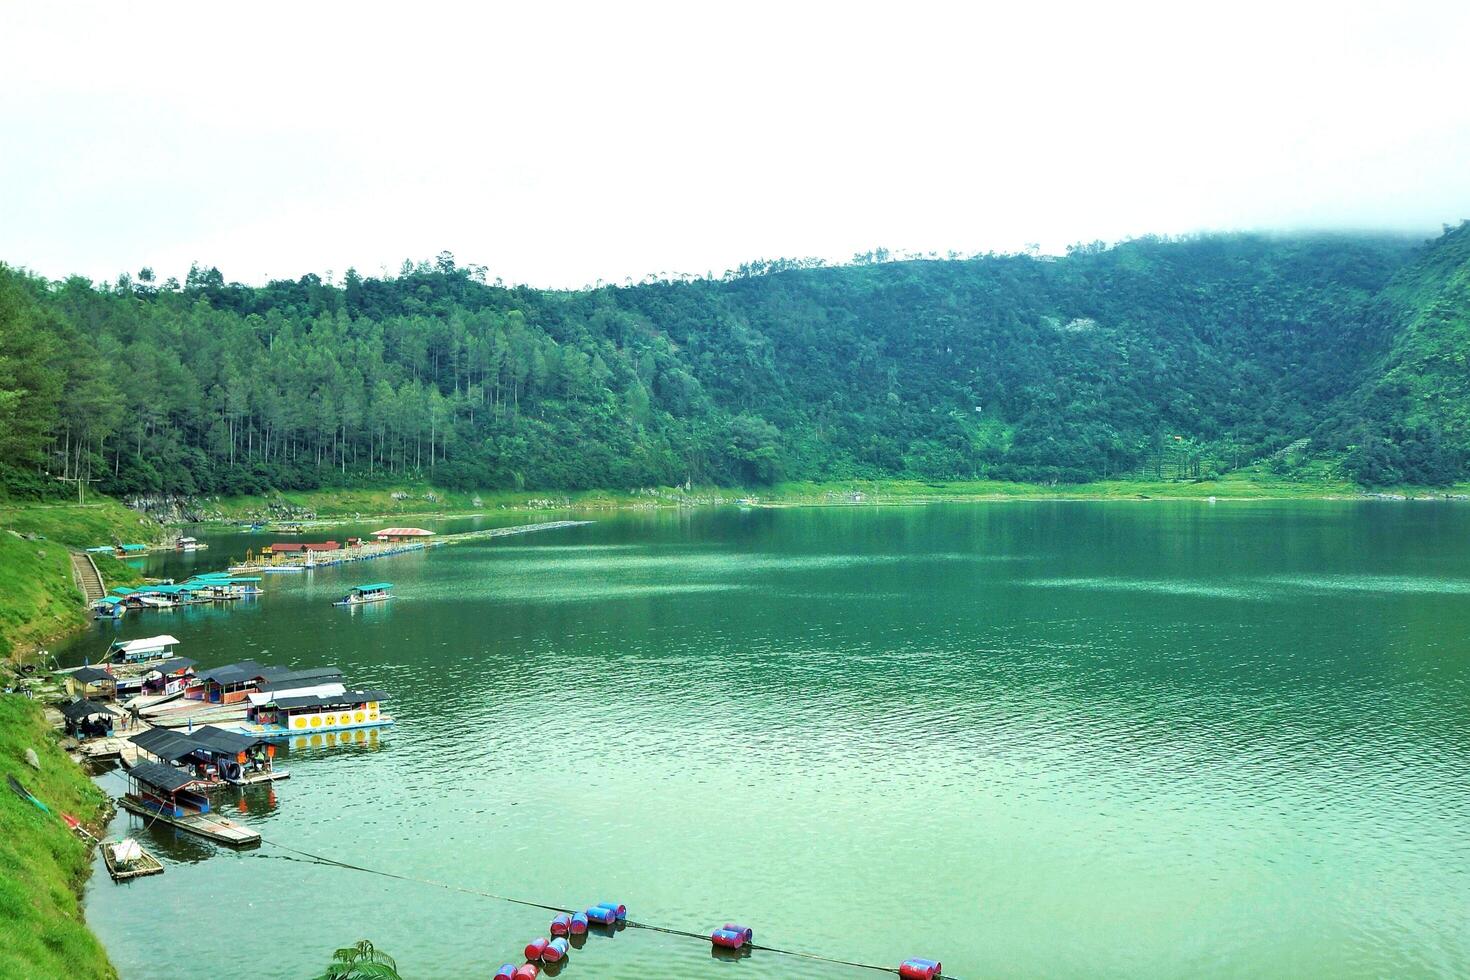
(1153, 358)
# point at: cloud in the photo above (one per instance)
(574, 142)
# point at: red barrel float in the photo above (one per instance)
(918, 968)
(535, 948)
(579, 924)
(561, 925)
(727, 938)
(506, 972)
(527, 971)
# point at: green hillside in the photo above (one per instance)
(1327, 358)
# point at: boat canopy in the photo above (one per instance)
(348, 699)
(108, 600)
(145, 645)
(133, 547)
(88, 675)
(279, 680)
(279, 694)
(373, 587)
(160, 776)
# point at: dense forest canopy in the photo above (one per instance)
(1172, 358)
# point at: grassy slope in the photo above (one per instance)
(39, 600)
(42, 864)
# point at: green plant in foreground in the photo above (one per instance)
(361, 962)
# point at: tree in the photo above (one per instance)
(362, 961)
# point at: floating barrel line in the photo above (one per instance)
(903, 971)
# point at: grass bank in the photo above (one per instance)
(39, 601)
(43, 866)
(422, 500)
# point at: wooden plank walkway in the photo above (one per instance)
(88, 579)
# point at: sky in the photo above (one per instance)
(562, 144)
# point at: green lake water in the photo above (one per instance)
(1032, 739)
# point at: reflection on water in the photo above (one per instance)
(1050, 740)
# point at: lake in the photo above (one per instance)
(1027, 738)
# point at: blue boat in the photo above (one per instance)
(361, 595)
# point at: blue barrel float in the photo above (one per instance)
(619, 911)
(555, 951)
(918, 968)
(579, 924)
(506, 972)
(602, 915)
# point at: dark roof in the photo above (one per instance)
(174, 664)
(221, 742)
(245, 670)
(165, 744)
(82, 708)
(160, 776)
(344, 700)
(292, 679)
(90, 674)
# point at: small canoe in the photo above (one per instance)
(126, 860)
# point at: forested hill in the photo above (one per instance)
(1159, 358)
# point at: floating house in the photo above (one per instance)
(149, 649)
(279, 716)
(174, 796)
(212, 755)
(173, 676)
(87, 719)
(228, 684)
(402, 534)
(91, 682)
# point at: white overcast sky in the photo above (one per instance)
(559, 144)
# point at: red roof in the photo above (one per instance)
(402, 532)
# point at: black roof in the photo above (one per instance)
(82, 708)
(343, 700)
(174, 664)
(174, 745)
(245, 670)
(89, 674)
(294, 678)
(221, 742)
(160, 776)
(165, 744)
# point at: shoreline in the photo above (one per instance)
(319, 503)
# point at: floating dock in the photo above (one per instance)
(214, 828)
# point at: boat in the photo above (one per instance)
(145, 652)
(190, 544)
(163, 794)
(126, 859)
(360, 595)
(215, 757)
(278, 716)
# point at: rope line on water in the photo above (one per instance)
(702, 937)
